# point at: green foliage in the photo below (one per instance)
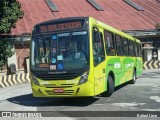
(9, 14)
(5, 52)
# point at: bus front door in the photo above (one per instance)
(99, 63)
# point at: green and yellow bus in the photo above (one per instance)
(81, 56)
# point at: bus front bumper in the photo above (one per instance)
(86, 89)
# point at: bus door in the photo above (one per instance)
(99, 62)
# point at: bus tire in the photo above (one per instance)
(110, 84)
(133, 81)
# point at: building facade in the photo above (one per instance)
(135, 17)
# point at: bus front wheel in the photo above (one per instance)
(110, 85)
(134, 77)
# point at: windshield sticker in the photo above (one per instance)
(60, 57)
(77, 55)
(60, 66)
(53, 60)
(54, 37)
(52, 67)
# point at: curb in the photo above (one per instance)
(151, 64)
(15, 79)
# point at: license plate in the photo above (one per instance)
(59, 90)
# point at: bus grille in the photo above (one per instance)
(55, 86)
(58, 77)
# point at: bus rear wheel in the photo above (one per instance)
(110, 85)
(133, 81)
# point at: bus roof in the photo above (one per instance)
(114, 30)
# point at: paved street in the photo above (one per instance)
(142, 96)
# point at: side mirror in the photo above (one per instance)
(97, 36)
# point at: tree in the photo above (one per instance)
(158, 26)
(10, 12)
(5, 52)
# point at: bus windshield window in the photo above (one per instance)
(40, 51)
(63, 51)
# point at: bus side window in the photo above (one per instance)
(135, 49)
(119, 45)
(41, 51)
(125, 44)
(98, 48)
(109, 40)
(131, 50)
(139, 49)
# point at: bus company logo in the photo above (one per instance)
(129, 65)
(21, 114)
(57, 73)
(117, 65)
(6, 114)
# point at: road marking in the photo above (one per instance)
(128, 104)
(156, 98)
(151, 109)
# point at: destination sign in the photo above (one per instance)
(43, 65)
(60, 26)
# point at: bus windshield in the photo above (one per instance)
(63, 51)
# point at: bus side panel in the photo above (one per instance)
(139, 66)
(114, 64)
(128, 64)
(122, 68)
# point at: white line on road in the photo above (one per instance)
(156, 98)
(128, 104)
(151, 109)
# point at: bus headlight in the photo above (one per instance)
(35, 81)
(83, 79)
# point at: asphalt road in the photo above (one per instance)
(142, 96)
